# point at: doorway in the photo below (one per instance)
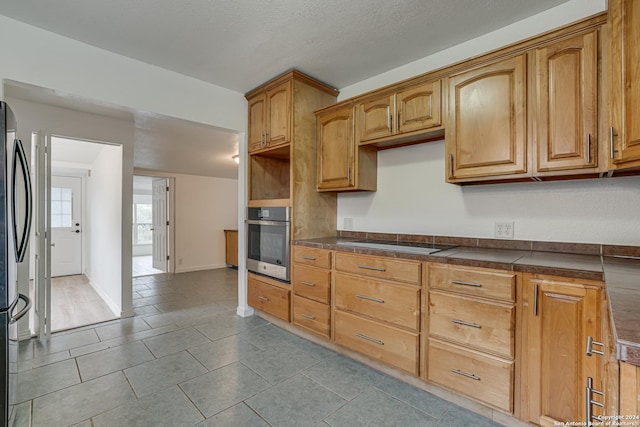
(77, 232)
(152, 225)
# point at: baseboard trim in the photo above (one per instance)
(199, 268)
(115, 308)
(245, 311)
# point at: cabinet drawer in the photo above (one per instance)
(312, 283)
(268, 298)
(486, 326)
(316, 257)
(392, 303)
(480, 377)
(473, 281)
(387, 344)
(379, 267)
(312, 315)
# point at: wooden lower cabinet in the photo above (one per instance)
(629, 391)
(312, 315)
(560, 315)
(485, 378)
(269, 298)
(392, 346)
(485, 326)
(231, 247)
(392, 303)
(312, 283)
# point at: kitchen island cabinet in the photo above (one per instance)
(560, 319)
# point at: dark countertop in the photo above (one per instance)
(620, 274)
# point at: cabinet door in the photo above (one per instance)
(624, 76)
(559, 317)
(279, 114)
(419, 107)
(566, 84)
(336, 150)
(488, 122)
(375, 118)
(257, 122)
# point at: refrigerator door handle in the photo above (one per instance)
(24, 310)
(19, 155)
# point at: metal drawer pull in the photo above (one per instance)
(309, 258)
(589, 391)
(535, 299)
(612, 149)
(307, 316)
(458, 282)
(366, 267)
(308, 283)
(462, 322)
(464, 374)
(370, 298)
(373, 340)
(263, 298)
(590, 344)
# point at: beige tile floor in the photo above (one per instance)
(186, 359)
(143, 266)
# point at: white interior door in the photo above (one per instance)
(66, 230)
(159, 223)
(41, 167)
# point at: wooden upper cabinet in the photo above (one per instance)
(336, 150)
(257, 122)
(375, 118)
(559, 317)
(279, 115)
(567, 98)
(405, 115)
(342, 164)
(419, 108)
(624, 77)
(270, 118)
(487, 128)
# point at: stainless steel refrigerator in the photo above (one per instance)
(15, 223)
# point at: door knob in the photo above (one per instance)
(75, 231)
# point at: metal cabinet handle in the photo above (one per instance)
(450, 165)
(370, 298)
(589, 392)
(263, 298)
(590, 344)
(464, 374)
(349, 175)
(588, 148)
(458, 282)
(462, 322)
(389, 118)
(308, 258)
(308, 316)
(373, 340)
(535, 299)
(612, 134)
(307, 283)
(366, 267)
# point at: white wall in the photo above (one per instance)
(204, 207)
(413, 197)
(38, 57)
(104, 207)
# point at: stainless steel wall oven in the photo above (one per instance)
(268, 231)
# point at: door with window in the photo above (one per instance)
(66, 230)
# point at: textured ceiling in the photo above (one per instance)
(239, 44)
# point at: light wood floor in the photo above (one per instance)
(75, 303)
(143, 266)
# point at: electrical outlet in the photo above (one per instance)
(503, 229)
(347, 224)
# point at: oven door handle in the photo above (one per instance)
(260, 222)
